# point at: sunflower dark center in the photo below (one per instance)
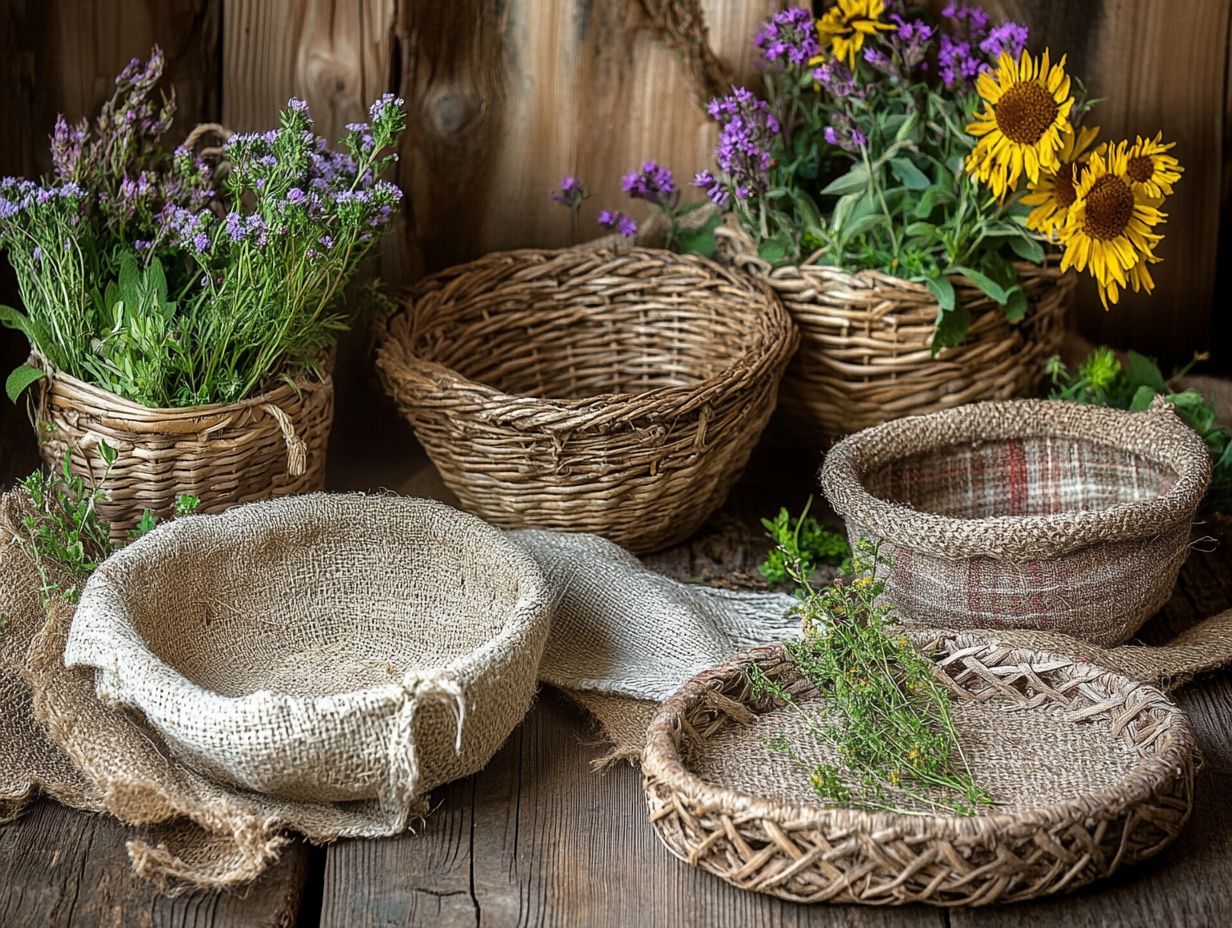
(1025, 111)
(1140, 169)
(1110, 206)
(1063, 187)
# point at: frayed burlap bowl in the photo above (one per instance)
(321, 647)
(1092, 772)
(617, 391)
(1030, 514)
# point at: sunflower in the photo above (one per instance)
(1053, 193)
(1151, 168)
(843, 28)
(1026, 113)
(1109, 229)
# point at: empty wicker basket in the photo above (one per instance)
(618, 392)
(267, 446)
(1025, 514)
(865, 338)
(1092, 772)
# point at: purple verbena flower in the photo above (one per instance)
(570, 193)
(1007, 37)
(746, 138)
(653, 183)
(704, 180)
(788, 38)
(618, 221)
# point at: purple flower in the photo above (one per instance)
(201, 241)
(618, 222)
(837, 80)
(830, 135)
(653, 183)
(388, 105)
(714, 188)
(787, 38)
(912, 40)
(570, 193)
(143, 245)
(746, 139)
(970, 21)
(1007, 37)
(38, 253)
(295, 195)
(879, 60)
(235, 226)
(957, 63)
(66, 145)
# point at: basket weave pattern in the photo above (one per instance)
(611, 391)
(806, 852)
(1025, 514)
(865, 337)
(267, 446)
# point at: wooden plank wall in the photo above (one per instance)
(506, 96)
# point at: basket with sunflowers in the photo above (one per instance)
(916, 189)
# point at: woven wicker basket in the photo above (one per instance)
(1092, 771)
(267, 446)
(617, 392)
(1025, 514)
(865, 355)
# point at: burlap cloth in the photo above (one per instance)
(622, 639)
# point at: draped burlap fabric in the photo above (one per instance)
(1026, 514)
(622, 638)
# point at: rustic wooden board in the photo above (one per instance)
(67, 868)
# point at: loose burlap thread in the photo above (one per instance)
(623, 639)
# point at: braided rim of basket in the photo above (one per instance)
(766, 351)
(1175, 754)
(1157, 434)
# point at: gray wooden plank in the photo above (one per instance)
(67, 868)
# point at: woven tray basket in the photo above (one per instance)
(1025, 514)
(321, 648)
(267, 446)
(865, 355)
(1092, 771)
(617, 392)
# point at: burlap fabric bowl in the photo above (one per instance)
(1025, 514)
(321, 647)
(617, 391)
(1092, 772)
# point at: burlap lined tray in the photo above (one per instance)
(1091, 772)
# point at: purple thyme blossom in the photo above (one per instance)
(787, 38)
(957, 63)
(143, 245)
(837, 80)
(66, 145)
(912, 40)
(843, 134)
(704, 180)
(38, 254)
(746, 137)
(326, 241)
(201, 241)
(1008, 37)
(654, 183)
(969, 20)
(235, 226)
(618, 222)
(295, 195)
(879, 60)
(386, 106)
(570, 193)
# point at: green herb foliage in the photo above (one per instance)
(803, 541)
(881, 703)
(65, 530)
(1103, 380)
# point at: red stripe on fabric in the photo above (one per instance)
(1016, 458)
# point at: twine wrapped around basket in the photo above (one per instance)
(1031, 514)
(613, 391)
(865, 338)
(266, 446)
(1092, 772)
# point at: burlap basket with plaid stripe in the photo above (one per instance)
(1030, 514)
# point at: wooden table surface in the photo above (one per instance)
(538, 838)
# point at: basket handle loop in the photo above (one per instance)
(404, 775)
(297, 448)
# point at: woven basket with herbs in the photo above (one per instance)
(614, 391)
(915, 190)
(182, 306)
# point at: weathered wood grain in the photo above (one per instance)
(1159, 67)
(66, 868)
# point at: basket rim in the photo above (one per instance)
(761, 353)
(520, 623)
(663, 765)
(1157, 434)
(59, 383)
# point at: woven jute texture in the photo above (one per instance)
(1025, 514)
(865, 338)
(323, 648)
(613, 391)
(267, 446)
(1092, 772)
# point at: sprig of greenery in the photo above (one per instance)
(883, 707)
(1102, 380)
(803, 541)
(68, 537)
